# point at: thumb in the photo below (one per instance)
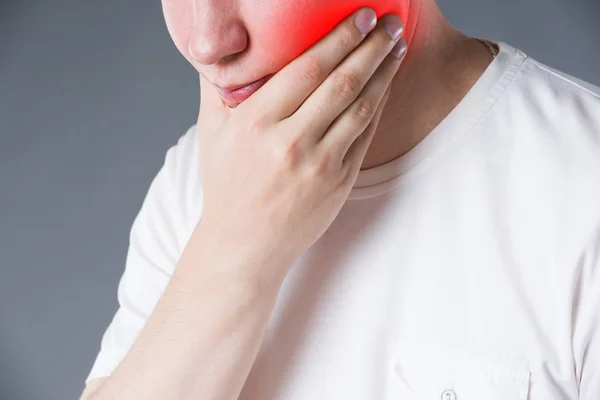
(213, 111)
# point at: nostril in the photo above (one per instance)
(192, 52)
(197, 52)
(190, 49)
(213, 42)
(203, 51)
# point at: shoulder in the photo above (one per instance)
(558, 102)
(181, 156)
(172, 204)
(562, 82)
(178, 177)
(544, 137)
(550, 116)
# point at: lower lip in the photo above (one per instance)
(238, 96)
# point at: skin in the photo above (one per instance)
(207, 32)
(235, 42)
(232, 42)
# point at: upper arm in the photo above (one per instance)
(586, 335)
(91, 387)
(154, 249)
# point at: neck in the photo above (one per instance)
(440, 67)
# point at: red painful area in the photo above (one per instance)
(307, 22)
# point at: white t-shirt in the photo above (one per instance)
(468, 268)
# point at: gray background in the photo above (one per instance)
(92, 94)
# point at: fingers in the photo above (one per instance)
(353, 156)
(347, 129)
(305, 73)
(350, 95)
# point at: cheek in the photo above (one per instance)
(283, 32)
(294, 28)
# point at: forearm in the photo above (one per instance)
(203, 336)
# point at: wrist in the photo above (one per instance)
(216, 253)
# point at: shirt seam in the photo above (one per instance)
(511, 77)
(565, 79)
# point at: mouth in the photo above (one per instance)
(239, 93)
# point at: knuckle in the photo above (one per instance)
(318, 167)
(348, 37)
(287, 154)
(312, 69)
(346, 85)
(364, 108)
(256, 126)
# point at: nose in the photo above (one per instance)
(218, 31)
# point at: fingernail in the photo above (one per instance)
(366, 20)
(399, 49)
(393, 26)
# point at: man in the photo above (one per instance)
(465, 263)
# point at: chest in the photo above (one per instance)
(417, 312)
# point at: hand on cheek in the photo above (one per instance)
(299, 26)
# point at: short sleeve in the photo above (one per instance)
(154, 249)
(586, 337)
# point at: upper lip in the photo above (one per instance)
(235, 87)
